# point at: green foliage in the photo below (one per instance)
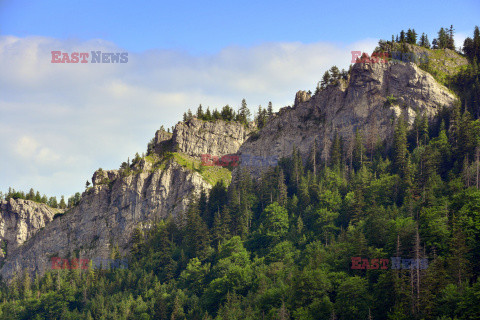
(391, 100)
(35, 196)
(280, 247)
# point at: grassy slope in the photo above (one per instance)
(210, 174)
(442, 63)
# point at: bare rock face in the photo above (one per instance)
(119, 201)
(196, 137)
(102, 177)
(302, 96)
(106, 216)
(371, 100)
(20, 220)
(361, 103)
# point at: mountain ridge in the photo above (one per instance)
(162, 183)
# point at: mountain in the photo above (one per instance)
(163, 182)
(373, 97)
(153, 188)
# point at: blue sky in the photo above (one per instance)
(60, 122)
(208, 26)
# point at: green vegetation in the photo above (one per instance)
(448, 67)
(211, 174)
(280, 247)
(35, 196)
(226, 114)
(391, 100)
(331, 77)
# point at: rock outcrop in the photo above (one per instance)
(20, 220)
(371, 100)
(196, 137)
(374, 96)
(119, 201)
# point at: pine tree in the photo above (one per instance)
(423, 131)
(476, 43)
(197, 237)
(26, 286)
(400, 148)
(325, 80)
(450, 39)
(358, 151)
(62, 204)
(282, 189)
(424, 41)
(336, 152)
(227, 113)
(335, 75)
(427, 43)
(458, 261)
(200, 114)
(411, 36)
(243, 114)
(178, 311)
(208, 115)
(443, 39)
(31, 195)
(270, 109)
(202, 205)
(261, 118)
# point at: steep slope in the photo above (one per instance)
(196, 137)
(154, 187)
(162, 183)
(374, 96)
(20, 220)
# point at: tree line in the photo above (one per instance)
(280, 247)
(243, 115)
(33, 195)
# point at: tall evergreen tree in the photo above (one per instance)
(270, 109)
(400, 148)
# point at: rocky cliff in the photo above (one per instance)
(20, 220)
(152, 188)
(371, 100)
(196, 137)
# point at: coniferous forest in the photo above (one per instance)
(281, 247)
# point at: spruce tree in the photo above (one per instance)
(270, 109)
(400, 148)
(200, 114)
(325, 80)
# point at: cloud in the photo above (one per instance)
(60, 122)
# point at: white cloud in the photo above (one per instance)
(60, 122)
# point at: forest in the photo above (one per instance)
(282, 246)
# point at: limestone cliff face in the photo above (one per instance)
(20, 220)
(120, 200)
(196, 137)
(158, 185)
(358, 103)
